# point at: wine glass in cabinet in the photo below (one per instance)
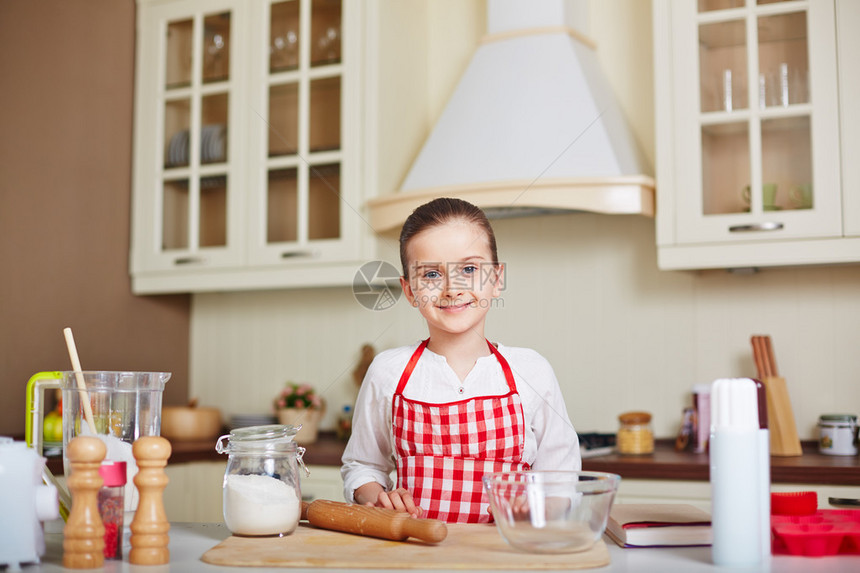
(747, 109)
(301, 213)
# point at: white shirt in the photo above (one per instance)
(551, 442)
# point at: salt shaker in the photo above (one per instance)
(262, 491)
(111, 502)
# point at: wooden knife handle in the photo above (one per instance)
(373, 521)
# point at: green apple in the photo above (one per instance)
(52, 429)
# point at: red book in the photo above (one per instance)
(658, 525)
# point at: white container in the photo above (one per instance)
(738, 457)
(24, 504)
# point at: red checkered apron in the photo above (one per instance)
(443, 450)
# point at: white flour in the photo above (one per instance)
(260, 505)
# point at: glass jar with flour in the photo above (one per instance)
(262, 492)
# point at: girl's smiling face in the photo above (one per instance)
(452, 279)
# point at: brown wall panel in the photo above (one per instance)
(66, 102)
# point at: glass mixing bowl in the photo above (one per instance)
(551, 511)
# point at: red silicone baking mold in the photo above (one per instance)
(826, 532)
(793, 503)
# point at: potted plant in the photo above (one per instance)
(299, 404)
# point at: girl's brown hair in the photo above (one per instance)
(441, 211)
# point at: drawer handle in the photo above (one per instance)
(296, 254)
(756, 227)
(189, 261)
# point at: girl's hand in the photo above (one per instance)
(373, 495)
(398, 500)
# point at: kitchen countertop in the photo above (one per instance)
(811, 468)
(664, 464)
(326, 451)
(188, 541)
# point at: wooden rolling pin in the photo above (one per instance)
(372, 521)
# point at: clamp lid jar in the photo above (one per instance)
(837, 434)
(261, 489)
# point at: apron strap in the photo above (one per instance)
(410, 366)
(506, 368)
(413, 360)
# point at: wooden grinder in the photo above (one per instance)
(149, 538)
(84, 532)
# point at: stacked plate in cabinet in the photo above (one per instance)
(213, 148)
(246, 420)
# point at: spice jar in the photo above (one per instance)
(261, 490)
(635, 435)
(111, 503)
(837, 434)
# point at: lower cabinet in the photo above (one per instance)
(698, 493)
(695, 493)
(195, 488)
(323, 483)
(194, 491)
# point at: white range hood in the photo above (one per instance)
(531, 127)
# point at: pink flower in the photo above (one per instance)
(297, 396)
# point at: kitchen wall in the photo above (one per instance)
(582, 289)
(67, 73)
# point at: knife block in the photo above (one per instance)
(784, 441)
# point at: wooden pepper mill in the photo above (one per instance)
(84, 533)
(149, 538)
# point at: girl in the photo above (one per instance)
(455, 407)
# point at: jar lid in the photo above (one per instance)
(634, 418)
(113, 473)
(837, 418)
(271, 438)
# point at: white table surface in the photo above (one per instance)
(188, 541)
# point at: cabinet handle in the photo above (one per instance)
(189, 261)
(296, 254)
(755, 227)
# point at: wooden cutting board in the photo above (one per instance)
(468, 546)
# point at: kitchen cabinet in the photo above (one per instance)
(698, 493)
(194, 492)
(323, 483)
(248, 145)
(756, 131)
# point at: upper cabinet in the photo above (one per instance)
(248, 145)
(754, 132)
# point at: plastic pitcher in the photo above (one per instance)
(116, 406)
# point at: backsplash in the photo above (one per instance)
(584, 291)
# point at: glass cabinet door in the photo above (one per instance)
(300, 211)
(757, 173)
(196, 175)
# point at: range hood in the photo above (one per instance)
(532, 126)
